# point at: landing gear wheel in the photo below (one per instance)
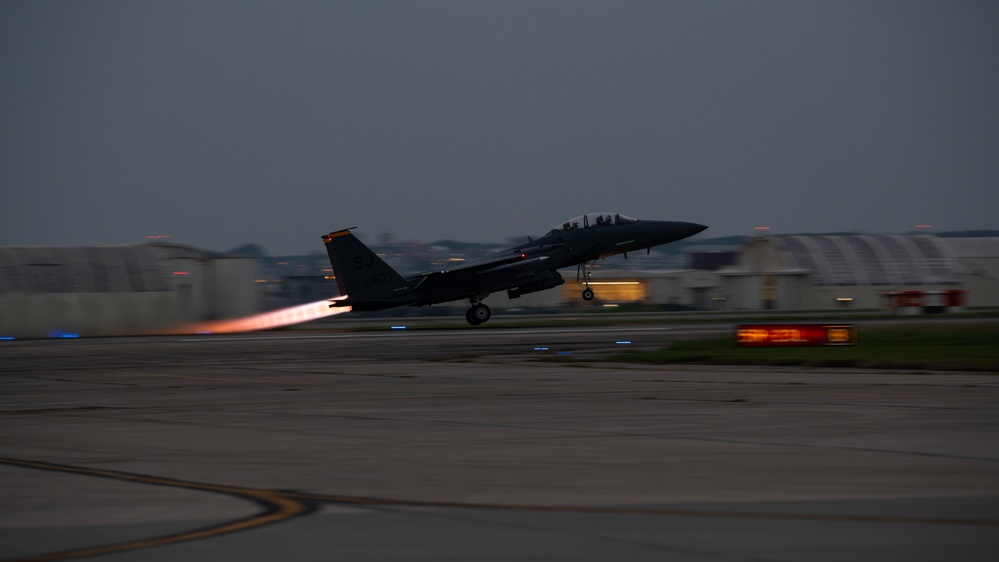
(588, 294)
(478, 314)
(471, 319)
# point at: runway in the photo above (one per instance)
(500, 444)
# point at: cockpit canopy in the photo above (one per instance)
(592, 220)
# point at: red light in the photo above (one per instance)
(180, 273)
(784, 335)
(522, 256)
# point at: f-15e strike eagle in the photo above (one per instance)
(371, 284)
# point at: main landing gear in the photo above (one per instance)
(587, 292)
(478, 314)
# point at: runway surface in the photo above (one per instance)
(498, 444)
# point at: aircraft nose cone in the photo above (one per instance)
(695, 228)
(689, 228)
(664, 232)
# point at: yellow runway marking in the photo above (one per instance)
(277, 507)
(282, 505)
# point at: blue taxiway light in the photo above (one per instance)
(540, 349)
(6, 338)
(565, 353)
(398, 327)
(67, 336)
(623, 342)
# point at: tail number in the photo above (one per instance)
(377, 279)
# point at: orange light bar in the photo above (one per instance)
(329, 237)
(787, 335)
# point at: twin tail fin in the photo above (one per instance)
(360, 273)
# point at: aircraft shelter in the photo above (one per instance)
(67, 291)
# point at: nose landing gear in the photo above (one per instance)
(587, 292)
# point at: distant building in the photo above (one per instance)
(856, 271)
(978, 261)
(291, 280)
(65, 291)
(712, 261)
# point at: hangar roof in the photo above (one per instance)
(870, 259)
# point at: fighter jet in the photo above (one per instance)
(371, 284)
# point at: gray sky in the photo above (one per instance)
(223, 123)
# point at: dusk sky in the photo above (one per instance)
(229, 122)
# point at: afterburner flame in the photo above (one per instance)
(266, 320)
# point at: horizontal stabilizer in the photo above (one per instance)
(362, 304)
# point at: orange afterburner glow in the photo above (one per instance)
(267, 320)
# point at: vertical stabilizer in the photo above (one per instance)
(359, 272)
